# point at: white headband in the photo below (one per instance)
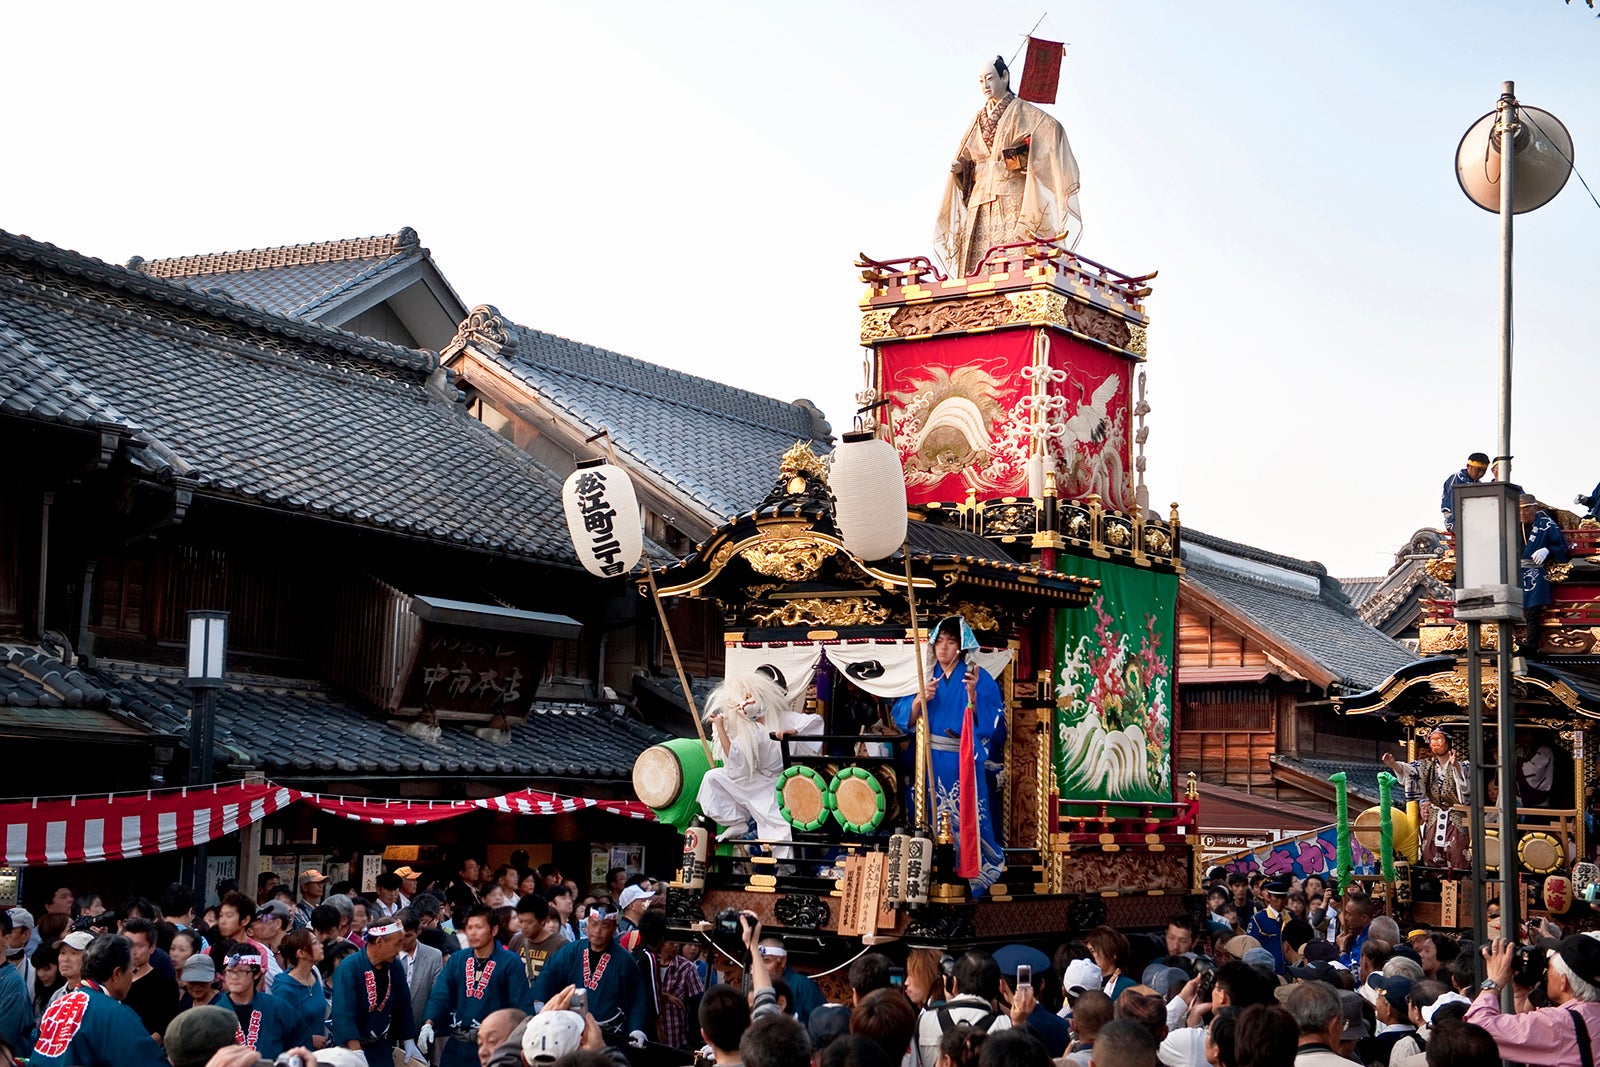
(243, 959)
(385, 929)
(772, 950)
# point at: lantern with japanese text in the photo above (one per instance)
(603, 518)
(869, 495)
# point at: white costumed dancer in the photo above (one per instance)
(744, 711)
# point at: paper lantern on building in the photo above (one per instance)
(869, 495)
(603, 518)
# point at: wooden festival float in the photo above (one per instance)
(1015, 400)
(1556, 693)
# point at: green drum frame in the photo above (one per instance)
(823, 789)
(845, 774)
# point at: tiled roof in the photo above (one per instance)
(40, 693)
(716, 444)
(1298, 603)
(260, 409)
(293, 280)
(1358, 589)
(1361, 777)
(291, 727)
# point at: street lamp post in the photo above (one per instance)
(207, 660)
(1510, 161)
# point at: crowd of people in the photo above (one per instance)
(516, 968)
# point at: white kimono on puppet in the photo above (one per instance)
(744, 712)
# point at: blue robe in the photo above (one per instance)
(1544, 533)
(88, 1028)
(618, 990)
(1447, 500)
(378, 1020)
(501, 981)
(807, 997)
(266, 1024)
(945, 713)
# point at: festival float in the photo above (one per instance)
(994, 492)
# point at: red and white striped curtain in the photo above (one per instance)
(117, 826)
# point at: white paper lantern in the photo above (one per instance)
(869, 495)
(603, 518)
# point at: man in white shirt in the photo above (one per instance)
(973, 995)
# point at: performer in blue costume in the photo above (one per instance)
(1477, 464)
(91, 1027)
(1266, 925)
(481, 978)
(371, 1004)
(605, 970)
(955, 682)
(1546, 544)
(266, 1023)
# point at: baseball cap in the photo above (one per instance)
(1355, 1020)
(1081, 975)
(21, 918)
(1394, 989)
(78, 939)
(404, 873)
(1260, 959)
(1010, 957)
(311, 874)
(551, 1035)
(198, 968)
(1316, 971)
(195, 1035)
(273, 909)
(827, 1023)
(632, 895)
(1238, 946)
(1444, 998)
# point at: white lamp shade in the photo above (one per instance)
(208, 647)
(1541, 164)
(603, 518)
(869, 495)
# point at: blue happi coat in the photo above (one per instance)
(1544, 533)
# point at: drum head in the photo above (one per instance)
(858, 801)
(1539, 852)
(803, 798)
(658, 776)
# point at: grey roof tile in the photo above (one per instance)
(718, 444)
(289, 727)
(1297, 601)
(258, 408)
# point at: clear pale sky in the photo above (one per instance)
(688, 183)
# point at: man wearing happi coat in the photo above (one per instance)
(481, 978)
(1441, 781)
(371, 1009)
(954, 684)
(606, 971)
(1013, 179)
(1546, 544)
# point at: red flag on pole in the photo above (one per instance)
(967, 860)
(1041, 71)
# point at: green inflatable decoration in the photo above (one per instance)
(1386, 783)
(1346, 860)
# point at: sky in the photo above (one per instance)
(689, 183)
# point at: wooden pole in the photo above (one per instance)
(666, 627)
(919, 786)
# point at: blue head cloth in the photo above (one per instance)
(968, 641)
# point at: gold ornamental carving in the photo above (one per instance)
(801, 461)
(1558, 572)
(839, 611)
(875, 325)
(1433, 639)
(1117, 535)
(1156, 542)
(1442, 569)
(945, 316)
(1138, 339)
(1077, 526)
(1452, 689)
(789, 559)
(1125, 872)
(1010, 519)
(1038, 306)
(1570, 641)
(978, 616)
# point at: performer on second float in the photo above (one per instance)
(1546, 544)
(1442, 782)
(480, 979)
(955, 685)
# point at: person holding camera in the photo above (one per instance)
(1568, 1031)
(972, 997)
